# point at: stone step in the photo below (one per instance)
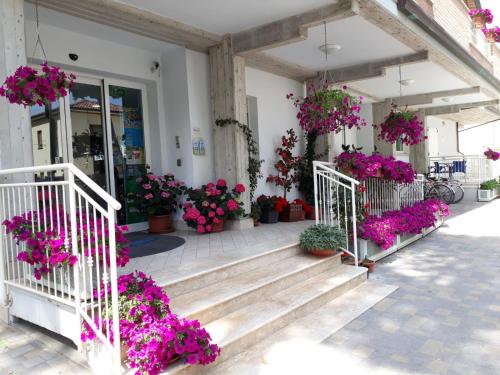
(216, 300)
(239, 330)
(297, 348)
(211, 276)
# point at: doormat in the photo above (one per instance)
(143, 244)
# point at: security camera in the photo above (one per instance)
(155, 66)
(73, 56)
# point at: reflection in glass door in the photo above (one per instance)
(129, 150)
(87, 131)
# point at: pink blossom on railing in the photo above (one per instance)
(50, 246)
(486, 13)
(383, 229)
(29, 87)
(362, 166)
(492, 155)
(492, 34)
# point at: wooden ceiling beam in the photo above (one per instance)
(455, 108)
(428, 98)
(291, 29)
(135, 20)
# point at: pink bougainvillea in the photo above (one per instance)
(402, 125)
(325, 110)
(492, 34)
(29, 87)
(486, 13)
(152, 335)
(383, 229)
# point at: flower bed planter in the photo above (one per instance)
(269, 216)
(160, 224)
(487, 195)
(293, 212)
(321, 252)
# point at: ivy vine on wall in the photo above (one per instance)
(254, 163)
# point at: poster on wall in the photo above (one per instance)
(134, 136)
(198, 142)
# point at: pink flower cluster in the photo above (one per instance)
(328, 111)
(486, 13)
(362, 166)
(29, 87)
(409, 220)
(51, 247)
(158, 195)
(404, 126)
(492, 155)
(211, 204)
(492, 35)
(152, 335)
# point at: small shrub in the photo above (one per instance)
(321, 236)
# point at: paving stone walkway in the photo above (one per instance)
(443, 319)
(445, 316)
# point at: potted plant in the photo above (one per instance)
(307, 209)
(287, 175)
(480, 17)
(488, 190)
(207, 207)
(29, 87)
(267, 205)
(370, 264)
(255, 213)
(322, 240)
(402, 125)
(328, 110)
(157, 197)
(492, 35)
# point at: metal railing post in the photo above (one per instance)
(316, 210)
(354, 224)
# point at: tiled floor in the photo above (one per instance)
(444, 319)
(202, 252)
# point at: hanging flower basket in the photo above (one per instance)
(480, 17)
(402, 125)
(492, 155)
(492, 35)
(29, 87)
(328, 110)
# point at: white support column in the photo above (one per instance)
(419, 154)
(15, 128)
(227, 80)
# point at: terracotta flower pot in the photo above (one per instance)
(370, 264)
(321, 252)
(219, 227)
(479, 21)
(159, 224)
(256, 222)
(490, 37)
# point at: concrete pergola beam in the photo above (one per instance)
(428, 98)
(291, 29)
(455, 108)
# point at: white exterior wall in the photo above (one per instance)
(364, 136)
(276, 114)
(475, 141)
(444, 137)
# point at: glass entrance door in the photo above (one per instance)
(127, 134)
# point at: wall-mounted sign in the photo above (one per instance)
(198, 142)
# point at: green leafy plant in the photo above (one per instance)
(254, 163)
(489, 185)
(322, 236)
(256, 211)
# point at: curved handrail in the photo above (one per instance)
(76, 172)
(326, 165)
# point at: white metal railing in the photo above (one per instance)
(472, 169)
(59, 203)
(335, 203)
(381, 195)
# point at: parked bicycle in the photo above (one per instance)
(434, 189)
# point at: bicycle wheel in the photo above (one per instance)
(445, 193)
(459, 193)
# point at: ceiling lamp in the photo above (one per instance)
(407, 82)
(329, 48)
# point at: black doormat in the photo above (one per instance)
(143, 244)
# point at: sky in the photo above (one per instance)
(494, 6)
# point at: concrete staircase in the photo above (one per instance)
(250, 301)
